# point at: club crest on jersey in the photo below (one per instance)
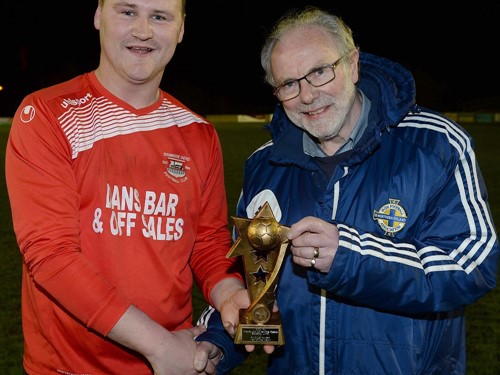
(176, 167)
(391, 217)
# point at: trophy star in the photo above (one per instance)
(261, 255)
(241, 245)
(261, 275)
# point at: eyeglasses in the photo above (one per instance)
(318, 77)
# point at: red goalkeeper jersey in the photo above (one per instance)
(111, 206)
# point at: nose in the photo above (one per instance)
(307, 91)
(142, 29)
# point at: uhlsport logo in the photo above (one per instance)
(391, 217)
(176, 167)
(27, 114)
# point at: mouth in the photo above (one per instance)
(140, 49)
(317, 111)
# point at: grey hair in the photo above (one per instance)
(309, 15)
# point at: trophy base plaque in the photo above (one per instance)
(260, 334)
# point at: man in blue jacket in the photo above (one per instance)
(391, 232)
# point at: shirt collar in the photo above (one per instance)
(312, 148)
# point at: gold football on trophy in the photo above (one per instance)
(264, 234)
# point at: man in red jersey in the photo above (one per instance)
(118, 200)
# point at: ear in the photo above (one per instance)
(97, 16)
(354, 65)
(181, 31)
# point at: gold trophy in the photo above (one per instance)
(262, 242)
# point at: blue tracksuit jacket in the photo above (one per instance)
(417, 240)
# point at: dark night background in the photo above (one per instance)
(216, 69)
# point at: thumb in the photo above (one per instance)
(201, 356)
(198, 330)
(230, 328)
